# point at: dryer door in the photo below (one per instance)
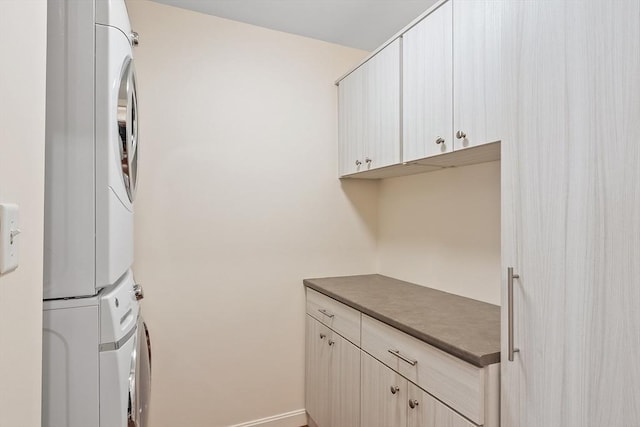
(128, 127)
(140, 379)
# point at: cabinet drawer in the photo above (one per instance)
(453, 381)
(339, 317)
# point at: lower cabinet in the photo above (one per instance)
(332, 377)
(361, 372)
(390, 400)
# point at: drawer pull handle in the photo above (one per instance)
(397, 354)
(322, 336)
(394, 389)
(326, 313)
(413, 403)
(331, 342)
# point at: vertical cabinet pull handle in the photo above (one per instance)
(510, 276)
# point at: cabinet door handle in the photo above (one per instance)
(394, 389)
(322, 336)
(358, 162)
(326, 313)
(440, 140)
(331, 342)
(368, 160)
(461, 135)
(397, 354)
(413, 403)
(510, 276)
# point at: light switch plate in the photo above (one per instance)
(9, 237)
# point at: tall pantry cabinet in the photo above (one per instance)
(571, 213)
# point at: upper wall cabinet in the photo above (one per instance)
(451, 79)
(427, 79)
(476, 72)
(369, 113)
(446, 66)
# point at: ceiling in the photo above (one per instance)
(363, 24)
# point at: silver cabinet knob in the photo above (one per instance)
(331, 342)
(135, 38)
(440, 140)
(358, 162)
(394, 389)
(461, 135)
(368, 160)
(413, 403)
(138, 291)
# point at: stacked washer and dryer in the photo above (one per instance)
(96, 348)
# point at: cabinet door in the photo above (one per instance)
(344, 379)
(426, 411)
(317, 372)
(427, 92)
(384, 395)
(476, 67)
(351, 122)
(571, 212)
(332, 382)
(382, 131)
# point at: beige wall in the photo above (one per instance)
(238, 202)
(23, 28)
(442, 230)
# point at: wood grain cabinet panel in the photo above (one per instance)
(317, 372)
(476, 71)
(425, 411)
(351, 123)
(427, 81)
(384, 395)
(571, 212)
(332, 383)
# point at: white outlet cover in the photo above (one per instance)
(9, 245)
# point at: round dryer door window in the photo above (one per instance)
(128, 127)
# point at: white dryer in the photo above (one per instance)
(97, 369)
(91, 160)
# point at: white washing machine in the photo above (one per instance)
(97, 372)
(91, 147)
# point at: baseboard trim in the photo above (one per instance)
(289, 419)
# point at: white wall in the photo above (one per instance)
(238, 202)
(23, 30)
(442, 230)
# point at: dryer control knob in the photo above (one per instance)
(138, 292)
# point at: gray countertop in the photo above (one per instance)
(463, 327)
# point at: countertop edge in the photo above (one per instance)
(479, 361)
